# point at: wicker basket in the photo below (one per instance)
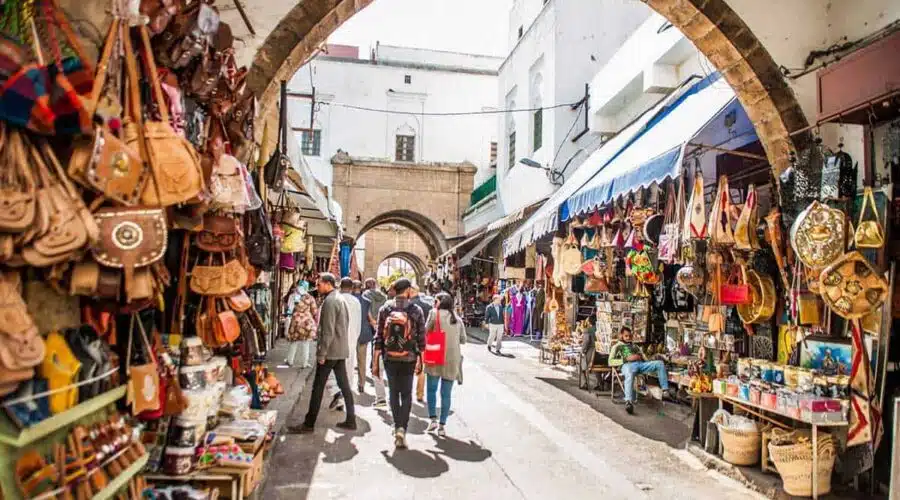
(794, 464)
(739, 447)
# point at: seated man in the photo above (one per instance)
(634, 362)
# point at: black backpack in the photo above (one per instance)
(399, 343)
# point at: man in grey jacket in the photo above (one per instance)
(332, 351)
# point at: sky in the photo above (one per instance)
(470, 26)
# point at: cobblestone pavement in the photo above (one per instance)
(513, 434)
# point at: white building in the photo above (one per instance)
(556, 48)
(417, 86)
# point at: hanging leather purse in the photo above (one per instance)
(21, 346)
(570, 258)
(220, 233)
(734, 291)
(218, 280)
(720, 233)
(17, 188)
(869, 233)
(695, 227)
(226, 326)
(131, 238)
(143, 380)
(279, 163)
(294, 233)
(227, 186)
(818, 235)
(669, 237)
(239, 302)
(745, 230)
(259, 240)
(159, 12)
(716, 320)
(851, 287)
(103, 162)
(174, 164)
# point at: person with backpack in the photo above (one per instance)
(332, 351)
(400, 340)
(443, 318)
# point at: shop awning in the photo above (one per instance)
(655, 153)
(544, 219)
(515, 216)
(466, 259)
(472, 237)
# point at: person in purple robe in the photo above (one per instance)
(517, 320)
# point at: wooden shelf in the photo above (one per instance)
(12, 436)
(739, 402)
(122, 479)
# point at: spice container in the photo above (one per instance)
(178, 461)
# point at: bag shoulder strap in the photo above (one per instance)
(868, 199)
(282, 120)
(437, 319)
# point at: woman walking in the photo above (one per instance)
(304, 322)
(451, 371)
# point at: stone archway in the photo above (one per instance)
(418, 265)
(714, 27)
(423, 227)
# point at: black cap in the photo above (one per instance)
(401, 285)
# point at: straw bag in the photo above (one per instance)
(570, 257)
(739, 446)
(869, 233)
(794, 464)
(668, 239)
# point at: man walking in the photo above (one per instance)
(353, 326)
(366, 334)
(493, 317)
(426, 305)
(400, 339)
(378, 299)
(332, 351)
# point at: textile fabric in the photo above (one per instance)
(454, 338)
(303, 319)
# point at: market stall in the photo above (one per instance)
(136, 250)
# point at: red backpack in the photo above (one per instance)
(398, 340)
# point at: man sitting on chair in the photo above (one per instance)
(634, 362)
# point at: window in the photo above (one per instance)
(406, 148)
(493, 161)
(512, 149)
(407, 79)
(538, 131)
(521, 31)
(311, 143)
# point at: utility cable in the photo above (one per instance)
(451, 113)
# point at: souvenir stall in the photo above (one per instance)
(131, 354)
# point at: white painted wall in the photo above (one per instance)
(564, 44)
(486, 212)
(450, 86)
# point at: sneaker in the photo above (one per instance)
(629, 407)
(380, 403)
(400, 439)
(490, 349)
(336, 401)
(432, 425)
(302, 429)
(442, 431)
(349, 425)
(286, 364)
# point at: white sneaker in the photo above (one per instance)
(432, 426)
(400, 439)
(442, 432)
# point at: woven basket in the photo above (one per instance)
(740, 447)
(794, 464)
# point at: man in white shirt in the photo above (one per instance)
(353, 328)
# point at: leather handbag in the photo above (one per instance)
(818, 235)
(294, 238)
(240, 302)
(226, 327)
(745, 230)
(695, 226)
(720, 233)
(60, 367)
(220, 233)
(869, 233)
(851, 287)
(716, 320)
(218, 280)
(21, 346)
(227, 186)
(593, 284)
(159, 13)
(277, 166)
(131, 238)
(734, 291)
(174, 164)
(17, 187)
(103, 162)
(143, 380)
(259, 240)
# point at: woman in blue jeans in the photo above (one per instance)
(448, 373)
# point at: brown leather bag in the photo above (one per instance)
(17, 189)
(226, 326)
(218, 280)
(220, 233)
(174, 164)
(143, 380)
(21, 346)
(130, 238)
(240, 302)
(103, 162)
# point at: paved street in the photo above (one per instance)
(513, 434)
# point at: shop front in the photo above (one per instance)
(141, 237)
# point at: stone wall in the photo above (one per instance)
(390, 239)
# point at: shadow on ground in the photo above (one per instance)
(665, 422)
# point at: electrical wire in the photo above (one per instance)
(451, 113)
(566, 138)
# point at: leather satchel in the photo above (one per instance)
(851, 287)
(218, 280)
(745, 230)
(260, 240)
(228, 187)
(143, 380)
(21, 346)
(279, 163)
(17, 188)
(175, 166)
(130, 238)
(240, 302)
(103, 162)
(226, 327)
(220, 233)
